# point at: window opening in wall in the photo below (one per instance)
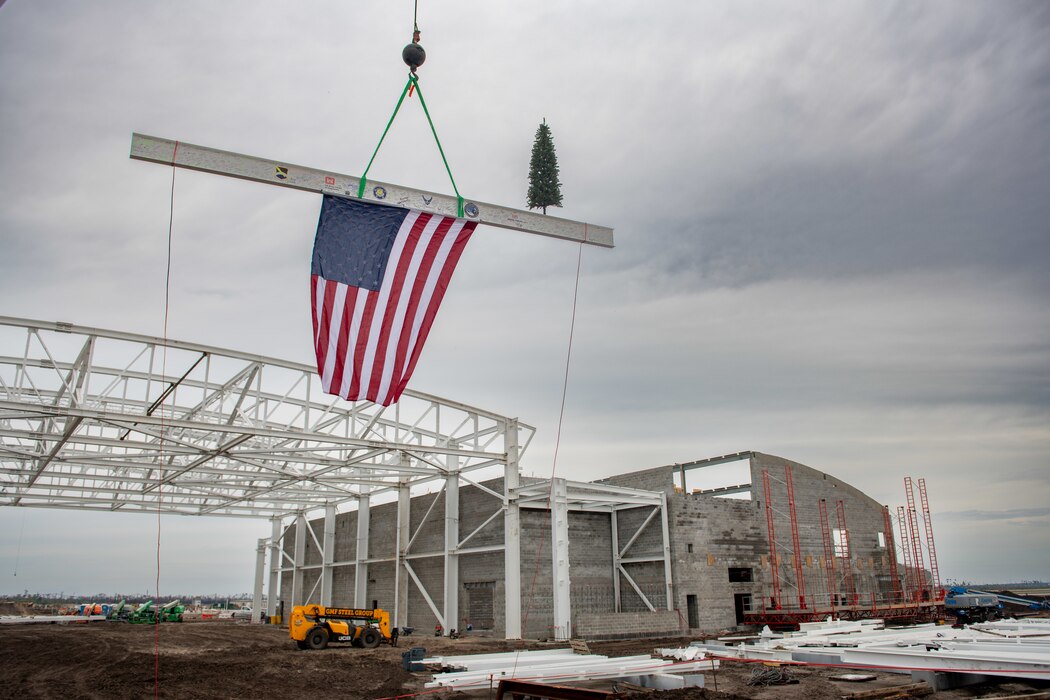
(742, 606)
(838, 536)
(693, 611)
(689, 547)
(730, 480)
(882, 539)
(739, 575)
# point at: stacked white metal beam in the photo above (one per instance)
(560, 666)
(1008, 648)
(49, 619)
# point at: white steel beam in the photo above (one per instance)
(283, 174)
(512, 536)
(637, 590)
(562, 605)
(666, 534)
(426, 595)
(451, 590)
(328, 555)
(299, 559)
(361, 552)
(273, 588)
(260, 570)
(404, 519)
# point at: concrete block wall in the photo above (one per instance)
(722, 533)
(662, 623)
(476, 506)
(864, 520)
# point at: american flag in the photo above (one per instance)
(377, 279)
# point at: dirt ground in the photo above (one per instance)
(240, 660)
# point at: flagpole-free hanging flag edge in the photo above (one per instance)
(189, 156)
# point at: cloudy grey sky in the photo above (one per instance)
(831, 220)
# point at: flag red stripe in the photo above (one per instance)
(400, 275)
(404, 342)
(435, 301)
(361, 347)
(342, 346)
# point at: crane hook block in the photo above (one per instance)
(414, 56)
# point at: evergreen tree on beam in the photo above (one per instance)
(544, 186)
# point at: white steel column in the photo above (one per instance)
(668, 581)
(451, 602)
(328, 555)
(559, 503)
(260, 570)
(511, 535)
(615, 527)
(299, 560)
(273, 590)
(361, 553)
(404, 513)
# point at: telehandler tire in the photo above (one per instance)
(370, 638)
(317, 638)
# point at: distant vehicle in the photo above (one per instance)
(242, 614)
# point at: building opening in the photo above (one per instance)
(739, 575)
(742, 605)
(479, 604)
(693, 611)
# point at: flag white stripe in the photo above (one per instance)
(319, 287)
(411, 283)
(333, 336)
(389, 274)
(351, 350)
(431, 283)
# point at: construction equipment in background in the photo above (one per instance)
(149, 614)
(171, 612)
(314, 626)
(969, 607)
(118, 612)
(142, 615)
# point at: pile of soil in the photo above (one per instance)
(242, 660)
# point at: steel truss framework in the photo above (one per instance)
(115, 421)
(101, 420)
(560, 496)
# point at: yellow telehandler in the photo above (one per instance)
(314, 626)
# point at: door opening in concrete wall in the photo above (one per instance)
(742, 605)
(693, 611)
(479, 605)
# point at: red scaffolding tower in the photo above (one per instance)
(774, 561)
(799, 577)
(891, 549)
(909, 599)
(931, 548)
(829, 555)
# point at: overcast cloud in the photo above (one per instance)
(831, 226)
